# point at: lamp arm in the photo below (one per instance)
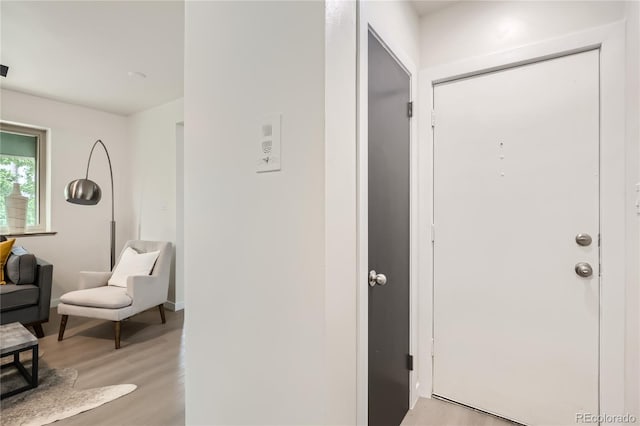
(110, 172)
(113, 221)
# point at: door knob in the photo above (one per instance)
(583, 239)
(584, 270)
(375, 278)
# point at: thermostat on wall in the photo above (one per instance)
(269, 144)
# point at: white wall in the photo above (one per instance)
(82, 239)
(152, 138)
(255, 249)
(179, 260)
(473, 29)
(340, 212)
(469, 29)
(632, 358)
(398, 22)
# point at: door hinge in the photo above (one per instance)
(410, 109)
(433, 118)
(433, 344)
(433, 232)
(599, 256)
(410, 362)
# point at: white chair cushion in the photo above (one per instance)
(132, 263)
(108, 297)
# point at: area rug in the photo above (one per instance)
(54, 399)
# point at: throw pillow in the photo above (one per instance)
(132, 263)
(5, 251)
(21, 266)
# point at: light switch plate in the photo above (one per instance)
(269, 144)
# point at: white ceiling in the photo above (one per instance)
(81, 51)
(424, 7)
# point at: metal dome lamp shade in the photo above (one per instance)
(87, 193)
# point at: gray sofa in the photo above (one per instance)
(27, 298)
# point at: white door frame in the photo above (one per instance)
(610, 39)
(365, 22)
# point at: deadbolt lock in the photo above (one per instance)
(584, 240)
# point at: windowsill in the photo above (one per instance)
(31, 234)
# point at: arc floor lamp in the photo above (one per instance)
(86, 192)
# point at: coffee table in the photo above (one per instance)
(14, 339)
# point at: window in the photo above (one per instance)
(23, 161)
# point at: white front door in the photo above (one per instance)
(516, 163)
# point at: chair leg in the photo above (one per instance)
(39, 331)
(161, 307)
(117, 329)
(63, 325)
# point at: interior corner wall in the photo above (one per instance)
(152, 138)
(254, 242)
(82, 239)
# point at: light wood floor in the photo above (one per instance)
(152, 356)
(434, 412)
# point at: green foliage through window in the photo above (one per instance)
(19, 164)
(23, 171)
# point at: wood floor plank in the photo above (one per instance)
(151, 357)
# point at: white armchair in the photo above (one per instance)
(96, 299)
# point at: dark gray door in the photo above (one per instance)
(389, 95)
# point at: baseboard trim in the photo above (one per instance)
(54, 302)
(174, 306)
